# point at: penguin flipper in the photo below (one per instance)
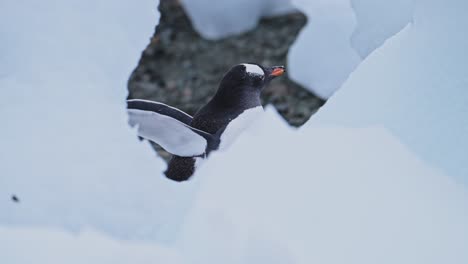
(171, 134)
(159, 108)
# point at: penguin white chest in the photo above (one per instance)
(239, 124)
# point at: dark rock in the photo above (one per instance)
(182, 69)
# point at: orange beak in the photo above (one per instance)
(278, 71)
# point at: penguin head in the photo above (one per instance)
(251, 75)
(242, 84)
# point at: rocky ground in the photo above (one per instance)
(182, 69)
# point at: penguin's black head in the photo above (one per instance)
(242, 84)
(251, 75)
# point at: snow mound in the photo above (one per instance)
(51, 246)
(254, 206)
(219, 19)
(67, 152)
(377, 20)
(415, 85)
(342, 195)
(339, 36)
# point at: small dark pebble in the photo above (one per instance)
(15, 199)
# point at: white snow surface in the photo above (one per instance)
(338, 195)
(416, 85)
(239, 125)
(376, 21)
(339, 35)
(357, 184)
(51, 246)
(67, 151)
(219, 19)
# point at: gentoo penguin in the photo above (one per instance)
(235, 105)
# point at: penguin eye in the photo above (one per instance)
(257, 79)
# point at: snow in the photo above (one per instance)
(339, 35)
(416, 86)
(377, 20)
(67, 151)
(219, 19)
(55, 247)
(386, 206)
(239, 125)
(333, 196)
(372, 178)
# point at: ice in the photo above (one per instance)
(219, 19)
(322, 58)
(339, 35)
(415, 85)
(41, 245)
(317, 206)
(66, 150)
(324, 194)
(377, 20)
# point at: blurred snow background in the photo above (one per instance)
(340, 34)
(416, 86)
(378, 175)
(218, 19)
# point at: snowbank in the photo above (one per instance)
(41, 245)
(339, 35)
(416, 86)
(337, 198)
(324, 194)
(218, 19)
(376, 21)
(66, 150)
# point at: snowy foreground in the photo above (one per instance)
(377, 176)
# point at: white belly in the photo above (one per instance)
(239, 124)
